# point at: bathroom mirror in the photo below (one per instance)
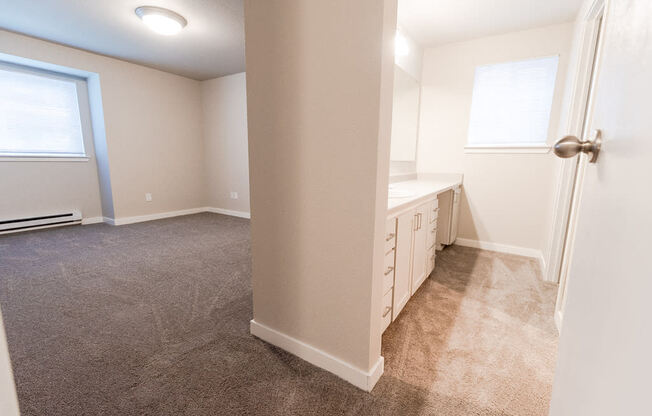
(405, 117)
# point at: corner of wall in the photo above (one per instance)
(101, 146)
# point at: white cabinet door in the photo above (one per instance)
(419, 255)
(404, 231)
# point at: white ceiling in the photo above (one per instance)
(212, 44)
(435, 22)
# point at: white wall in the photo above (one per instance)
(508, 198)
(153, 135)
(224, 106)
(319, 78)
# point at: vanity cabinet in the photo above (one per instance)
(405, 223)
(419, 255)
(449, 203)
(389, 268)
(410, 238)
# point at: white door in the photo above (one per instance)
(419, 256)
(605, 347)
(403, 260)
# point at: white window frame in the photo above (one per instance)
(84, 114)
(518, 148)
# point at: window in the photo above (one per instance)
(39, 114)
(512, 103)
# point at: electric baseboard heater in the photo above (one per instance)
(13, 225)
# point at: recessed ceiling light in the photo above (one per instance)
(160, 20)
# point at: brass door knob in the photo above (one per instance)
(570, 146)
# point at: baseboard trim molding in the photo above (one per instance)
(233, 213)
(92, 220)
(502, 248)
(506, 248)
(359, 378)
(559, 317)
(168, 214)
(543, 267)
(158, 216)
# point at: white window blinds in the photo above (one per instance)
(511, 102)
(39, 115)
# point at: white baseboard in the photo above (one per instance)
(240, 214)
(92, 220)
(559, 317)
(365, 380)
(108, 220)
(543, 266)
(505, 248)
(169, 214)
(158, 216)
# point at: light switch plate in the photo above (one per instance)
(148, 197)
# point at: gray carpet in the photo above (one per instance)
(152, 319)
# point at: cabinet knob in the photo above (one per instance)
(390, 236)
(388, 309)
(389, 270)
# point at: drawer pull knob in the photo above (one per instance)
(390, 236)
(389, 270)
(434, 230)
(388, 309)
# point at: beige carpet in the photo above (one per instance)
(152, 319)
(478, 336)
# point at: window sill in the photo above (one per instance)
(513, 149)
(8, 158)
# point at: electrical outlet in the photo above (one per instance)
(234, 195)
(148, 197)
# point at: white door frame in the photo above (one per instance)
(591, 21)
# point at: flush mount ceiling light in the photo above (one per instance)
(160, 20)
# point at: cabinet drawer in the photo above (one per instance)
(431, 238)
(388, 271)
(390, 234)
(387, 310)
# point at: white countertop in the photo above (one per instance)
(421, 190)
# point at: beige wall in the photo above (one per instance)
(319, 151)
(153, 130)
(226, 157)
(508, 198)
(33, 188)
